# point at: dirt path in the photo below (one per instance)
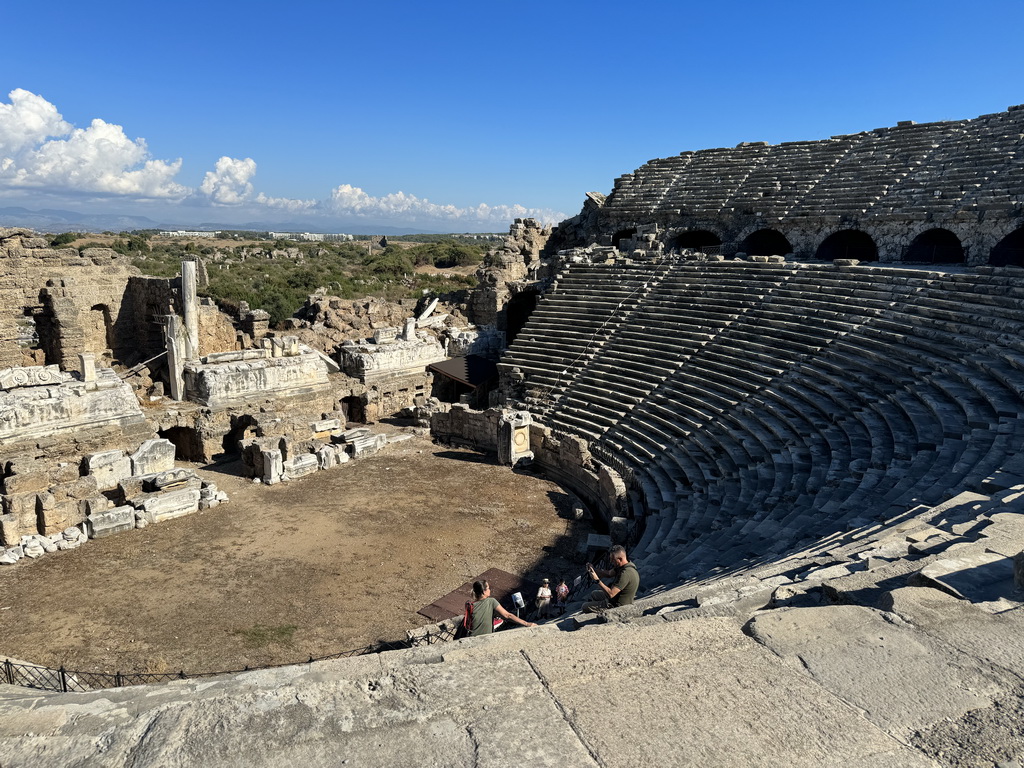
(331, 562)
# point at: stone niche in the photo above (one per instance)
(286, 369)
(39, 401)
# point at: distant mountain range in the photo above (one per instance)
(56, 221)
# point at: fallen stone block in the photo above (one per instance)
(350, 435)
(325, 425)
(153, 456)
(24, 483)
(367, 445)
(157, 507)
(113, 521)
(974, 576)
(170, 480)
(11, 556)
(273, 467)
(109, 468)
(300, 466)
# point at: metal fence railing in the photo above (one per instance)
(64, 680)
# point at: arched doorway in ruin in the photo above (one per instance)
(1009, 252)
(936, 246)
(517, 312)
(766, 242)
(847, 244)
(96, 330)
(242, 428)
(623, 234)
(702, 240)
(187, 445)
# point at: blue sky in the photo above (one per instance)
(453, 116)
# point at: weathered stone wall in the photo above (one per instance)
(964, 176)
(55, 303)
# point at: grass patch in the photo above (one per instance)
(260, 636)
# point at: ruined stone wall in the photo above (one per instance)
(55, 303)
(965, 176)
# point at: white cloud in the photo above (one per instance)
(43, 152)
(353, 201)
(26, 121)
(287, 203)
(228, 183)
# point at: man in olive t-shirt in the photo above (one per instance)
(622, 591)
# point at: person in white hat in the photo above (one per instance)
(543, 599)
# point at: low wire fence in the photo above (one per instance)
(64, 680)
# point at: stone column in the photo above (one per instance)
(190, 309)
(87, 364)
(175, 357)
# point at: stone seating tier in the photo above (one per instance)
(882, 389)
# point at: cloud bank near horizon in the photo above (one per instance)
(41, 153)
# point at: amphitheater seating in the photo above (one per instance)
(907, 170)
(756, 407)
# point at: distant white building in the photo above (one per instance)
(314, 237)
(186, 233)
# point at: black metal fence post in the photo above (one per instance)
(9, 671)
(63, 679)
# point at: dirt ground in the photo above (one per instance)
(333, 561)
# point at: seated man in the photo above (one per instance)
(622, 590)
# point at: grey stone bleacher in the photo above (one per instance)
(908, 170)
(758, 407)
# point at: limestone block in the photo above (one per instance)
(21, 505)
(327, 457)
(13, 528)
(110, 522)
(108, 467)
(156, 507)
(60, 515)
(326, 425)
(82, 488)
(348, 435)
(23, 483)
(97, 505)
(153, 456)
(31, 376)
(300, 466)
(169, 480)
(273, 467)
(367, 445)
(65, 472)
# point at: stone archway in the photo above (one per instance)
(847, 244)
(1009, 252)
(702, 240)
(936, 246)
(623, 234)
(766, 242)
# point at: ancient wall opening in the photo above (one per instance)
(766, 242)
(188, 446)
(847, 244)
(1009, 252)
(623, 234)
(936, 246)
(520, 307)
(702, 240)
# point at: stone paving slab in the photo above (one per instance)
(685, 693)
(901, 679)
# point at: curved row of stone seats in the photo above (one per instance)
(592, 304)
(807, 409)
(907, 169)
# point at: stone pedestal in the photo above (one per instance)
(514, 437)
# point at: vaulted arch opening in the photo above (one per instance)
(1009, 252)
(847, 244)
(520, 307)
(766, 242)
(936, 246)
(702, 240)
(623, 234)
